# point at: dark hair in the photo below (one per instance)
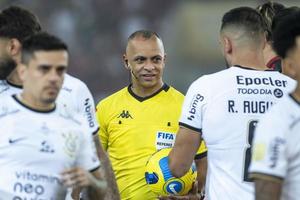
(143, 33)
(41, 42)
(268, 11)
(285, 33)
(281, 14)
(245, 18)
(16, 22)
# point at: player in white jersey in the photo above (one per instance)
(37, 146)
(275, 164)
(16, 24)
(74, 95)
(223, 108)
(44, 147)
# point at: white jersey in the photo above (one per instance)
(74, 94)
(35, 148)
(276, 150)
(224, 107)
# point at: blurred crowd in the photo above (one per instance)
(96, 32)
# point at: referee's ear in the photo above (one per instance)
(125, 62)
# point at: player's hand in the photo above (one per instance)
(78, 178)
(193, 195)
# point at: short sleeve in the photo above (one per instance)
(269, 158)
(86, 106)
(102, 133)
(194, 105)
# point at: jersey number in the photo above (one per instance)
(251, 128)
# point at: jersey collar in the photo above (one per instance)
(14, 85)
(275, 64)
(239, 66)
(165, 87)
(30, 108)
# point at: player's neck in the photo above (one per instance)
(249, 59)
(269, 54)
(145, 92)
(31, 102)
(14, 78)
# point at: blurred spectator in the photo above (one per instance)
(95, 32)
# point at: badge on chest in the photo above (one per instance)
(164, 140)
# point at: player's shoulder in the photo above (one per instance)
(4, 87)
(280, 75)
(72, 83)
(3, 83)
(285, 107)
(291, 82)
(212, 77)
(8, 106)
(68, 115)
(207, 81)
(7, 100)
(280, 115)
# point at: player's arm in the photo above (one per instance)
(92, 182)
(268, 189)
(184, 150)
(112, 190)
(201, 165)
(97, 190)
(267, 170)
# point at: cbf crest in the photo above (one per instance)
(70, 143)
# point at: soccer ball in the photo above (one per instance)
(158, 175)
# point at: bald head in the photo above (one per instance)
(244, 25)
(142, 36)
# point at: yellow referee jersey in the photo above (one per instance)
(132, 129)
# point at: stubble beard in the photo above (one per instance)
(7, 65)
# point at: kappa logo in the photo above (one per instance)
(125, 114)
